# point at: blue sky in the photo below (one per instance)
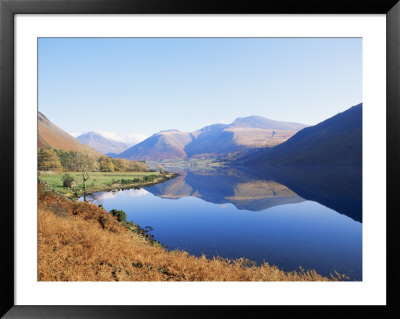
(139, 86)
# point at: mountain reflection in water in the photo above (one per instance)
(336, 187)
(289, 217)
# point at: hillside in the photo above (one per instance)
(212, 140)
(335, 141)
(162, 145)
(102, 144)
(49, 135)
(79, 241)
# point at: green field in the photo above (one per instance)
(99, 181)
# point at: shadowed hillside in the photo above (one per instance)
(337, 140)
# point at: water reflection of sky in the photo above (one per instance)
(99, 197)
(305, 234)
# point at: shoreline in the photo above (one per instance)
(118, 187)
(121, 250)
(114, 187)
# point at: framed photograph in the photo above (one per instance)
(170, 154)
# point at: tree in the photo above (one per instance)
(119, 164)
(161, 169)
(67, 160)
(48, 160)
(139, 166)
(107, 165)
(125, 165)
(85, 165)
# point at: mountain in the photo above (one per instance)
(50, 135)
(102, 144)
(162, 145)
(212, 140)
(264, 123)
(335, 141)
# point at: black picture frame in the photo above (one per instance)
(8, 8)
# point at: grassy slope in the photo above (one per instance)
(78, 241)
(50, 135)
(100, 181)
(258, 137)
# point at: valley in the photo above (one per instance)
(202, 159)
(255, 189)
(254, 141)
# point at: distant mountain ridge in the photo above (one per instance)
(102, 144)
(212, 140)
(50, 135)
(337, 140)
(255, 121)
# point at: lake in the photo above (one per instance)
(289, 217)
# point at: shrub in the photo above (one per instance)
(130, 181)
(120, 214)
(149, 178)
(68, 180)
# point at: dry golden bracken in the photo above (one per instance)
(79, 241)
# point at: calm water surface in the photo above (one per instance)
(289, 218)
